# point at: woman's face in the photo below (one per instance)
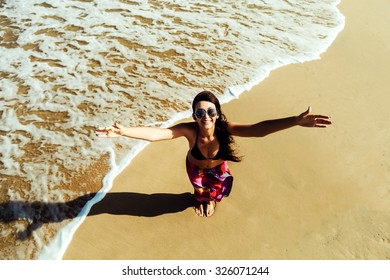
(205, 114)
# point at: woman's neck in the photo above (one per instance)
(206, 133)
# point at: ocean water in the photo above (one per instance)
(67, 67)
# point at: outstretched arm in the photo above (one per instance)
(264, 128)
(144, 133)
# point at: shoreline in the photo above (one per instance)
(291, 208)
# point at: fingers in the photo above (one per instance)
(101, 132)
(104, 132)
(101, 129)
(321, 117)
(109, 131)
(306, 113)
(117, 125)
(321, 125)
(100, 135)
(322, 122)
(325, 121)
(307, 119)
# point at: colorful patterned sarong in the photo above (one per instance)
(210, 184)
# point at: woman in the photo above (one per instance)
(210, 139)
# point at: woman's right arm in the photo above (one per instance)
(150, 134)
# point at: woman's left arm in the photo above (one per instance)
(261, 129)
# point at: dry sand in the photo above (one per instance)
(298, 194)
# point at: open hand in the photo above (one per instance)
(308, 120)
(116, 130)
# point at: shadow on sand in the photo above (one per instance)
(125, 203)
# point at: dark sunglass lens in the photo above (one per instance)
(200, 113)
(212, 112)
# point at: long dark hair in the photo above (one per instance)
(225, 139)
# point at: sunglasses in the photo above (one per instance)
(200, 113)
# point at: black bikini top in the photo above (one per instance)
(197, 154)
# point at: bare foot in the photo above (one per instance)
(199, 209)
(210, 208)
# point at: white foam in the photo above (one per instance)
(102, 61)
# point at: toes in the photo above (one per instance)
(199, 209)
(210, 208)
(205, 209)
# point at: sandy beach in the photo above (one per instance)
(298, 194)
